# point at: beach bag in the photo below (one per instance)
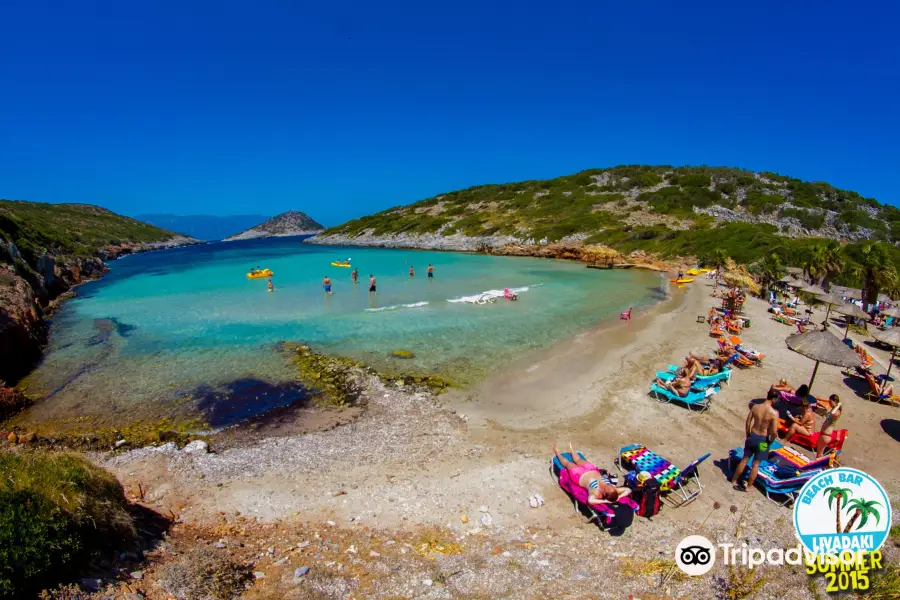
(649, 502)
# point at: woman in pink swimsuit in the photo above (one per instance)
(588, 476)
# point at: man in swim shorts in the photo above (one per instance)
(355, 275)
(430, 271)
(326, 283)
(412, 272)
(371, 284)
(761, 428)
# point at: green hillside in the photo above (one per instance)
(651, 208)
(69, 229)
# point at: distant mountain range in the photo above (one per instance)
(290, 223)
(203, 227)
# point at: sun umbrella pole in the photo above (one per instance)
(891, 363)
(813, 378)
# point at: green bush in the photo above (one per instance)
(807, 219)
(57, 511)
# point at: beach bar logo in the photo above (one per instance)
(842, 510)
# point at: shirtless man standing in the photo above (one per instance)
(761, 429)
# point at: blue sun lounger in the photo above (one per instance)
(700, 400)
(782, 459)
(701, 382)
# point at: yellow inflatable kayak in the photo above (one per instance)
(685, 280)
(260, 274)
(337, 264)
(693, 272)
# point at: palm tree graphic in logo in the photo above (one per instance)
(840, 495)
(861, 508)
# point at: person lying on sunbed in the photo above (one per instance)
(588, 476)
(782, 386)
(805, 424)
(679, 386)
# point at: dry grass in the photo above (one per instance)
(202, 574)
(665, 569)
(742, 583)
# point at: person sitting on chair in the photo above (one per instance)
(885, 389)
(588, 476)
(805, 424)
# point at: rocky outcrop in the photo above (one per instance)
(28, 293)
(22, 333)
(572, 248)
(286, 224)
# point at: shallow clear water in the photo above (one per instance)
(186, 323)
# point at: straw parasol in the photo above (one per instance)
(796, 283)
(742, 280)
(853, 311)
(812, 289)
(852, 293)
(891, 337)
(831, 300)
(892, 312)
(822, 346)
(786, 279)
(886, 299)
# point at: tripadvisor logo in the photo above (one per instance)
(842, 509)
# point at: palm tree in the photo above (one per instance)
(768, 270)
(833, 262)
(813, 264)
(841, 495)
(872, 264)
(718, 260)
(864, 508)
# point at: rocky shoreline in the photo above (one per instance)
(30, 293)
(572, 248)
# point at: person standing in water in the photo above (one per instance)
(371, 284)
(430, 271)
(326, 284)
(412, 272)
(271, 285)
(355, 275)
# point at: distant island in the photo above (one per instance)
(663, 210)
(45, 249)
(204, 227)
(289, 223)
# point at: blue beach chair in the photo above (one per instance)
(700, 400)
(701, 382)
(779, 460)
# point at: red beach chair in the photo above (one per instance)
(838, 436)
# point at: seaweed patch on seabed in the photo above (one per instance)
(105, 329)
(246, 398)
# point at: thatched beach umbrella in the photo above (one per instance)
(830, 300)
(854, 312)
(812, 289)
(891, 337)
(742, 280)
(892, 312)
(786, 279)
(886, 299)
(822, 346)
(853, 293)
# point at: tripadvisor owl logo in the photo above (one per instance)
(842, 509)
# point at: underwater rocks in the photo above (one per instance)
(402, 354)
(341, 381)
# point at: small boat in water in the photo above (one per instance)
(684, 280)
(346, 265)
(261, 274)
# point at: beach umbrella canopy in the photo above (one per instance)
(886, 299)
(812, 289)
(796, 283)
(822, 346)
(852, 293)
(795, 270)
(891, 312)
(831, 300)
(891, 337)
(786, 279)
(852, 310)
(742, 280)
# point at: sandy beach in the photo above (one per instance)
(414, 465)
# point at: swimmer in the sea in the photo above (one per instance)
(326, 284)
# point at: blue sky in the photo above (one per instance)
(347, 107)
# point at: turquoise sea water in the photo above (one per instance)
(187, 324)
